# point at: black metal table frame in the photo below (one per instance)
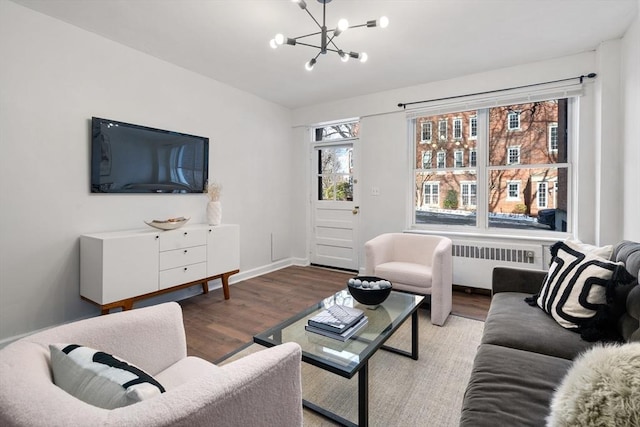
(362, 370)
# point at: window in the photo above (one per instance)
(468, 194)
(473, 127)
(513, 190)
(553, 137)
(335, 161)
(458, 158)
(457, 128)
(426, 160)
(513, 120)
(473, 157)
(426, 132)
(442, 130)
(542, 194)
(431, 192)
(337, 132)
(513, 155)
(510, 174)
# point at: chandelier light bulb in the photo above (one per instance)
(279, 39)
(384, 22)
(344, 57)
(343, 24)
(364, 57)
(301, 3)
(309, 65)
(273, 44)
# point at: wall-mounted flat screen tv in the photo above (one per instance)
(128, 158)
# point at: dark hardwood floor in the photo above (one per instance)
(216, 327)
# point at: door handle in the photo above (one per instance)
(355, 210)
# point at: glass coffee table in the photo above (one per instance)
(350, 357)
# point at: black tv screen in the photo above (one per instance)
(128, 158)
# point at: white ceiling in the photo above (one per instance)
(427, 40)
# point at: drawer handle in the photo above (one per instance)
(185, 233)
(185, 269)
(185, 251)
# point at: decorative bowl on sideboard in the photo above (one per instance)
(168, 224)
(369, 290)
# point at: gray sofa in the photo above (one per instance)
(524, 354)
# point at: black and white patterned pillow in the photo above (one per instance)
(577, 285)
(100, 379)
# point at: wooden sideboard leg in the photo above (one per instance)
(205, 287)
(127, 304)
(104, 310)
(225, 285)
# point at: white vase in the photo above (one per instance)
(214, 213)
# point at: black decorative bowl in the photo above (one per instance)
(369, 290)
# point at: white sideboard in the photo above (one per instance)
(120, 268)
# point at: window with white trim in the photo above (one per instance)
(457, 128)
(505, 168)
(473, 158)
(513, 155)
(426, 132)
(468, 194)
(513, 120)
(553, 137)
(473, 127)
(426, 159)
(442, 130)
(431, 193)
(513, 190)
(542, 194)
(458, 157)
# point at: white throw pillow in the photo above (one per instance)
(100, 379)
(605, 252)
(576, 284)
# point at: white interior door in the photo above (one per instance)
(335, 211)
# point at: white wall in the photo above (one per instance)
(630, 78)
(53, 78)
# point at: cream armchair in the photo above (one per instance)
(417, 263)
(262, 389)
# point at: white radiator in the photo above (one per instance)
(473, 261)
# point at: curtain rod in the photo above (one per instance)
(590, 76)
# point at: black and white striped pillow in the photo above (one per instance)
(575, 288)
(99, 378)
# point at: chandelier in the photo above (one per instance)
(327, 36)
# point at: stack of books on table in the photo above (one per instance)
(338, 322)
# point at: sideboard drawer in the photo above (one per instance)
(180, 275)
(182, 257)
(182, 238)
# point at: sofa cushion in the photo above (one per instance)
(575, 289)
(510, 387)
(405, 272)
(100, 379)
(513, 323)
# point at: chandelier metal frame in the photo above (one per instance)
(327, 36)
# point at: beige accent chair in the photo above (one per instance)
(417, 263)
(262, 389)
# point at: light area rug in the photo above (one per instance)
(402, 391)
